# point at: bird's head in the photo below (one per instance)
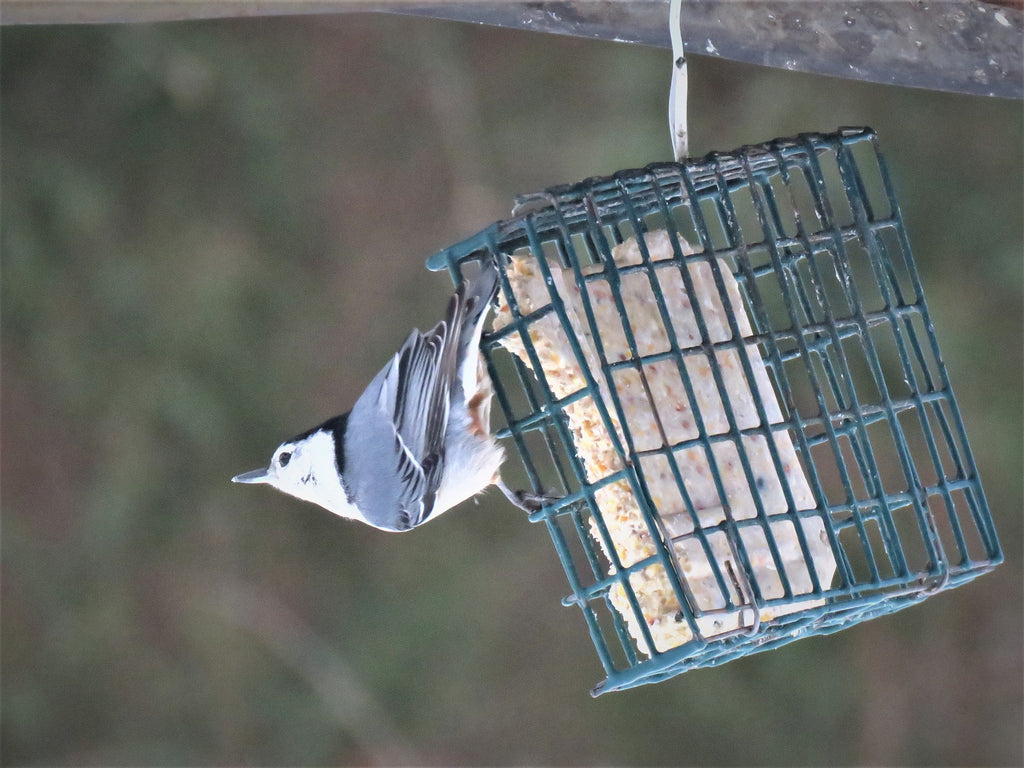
(308, 467)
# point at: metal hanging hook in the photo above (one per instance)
(677, 94)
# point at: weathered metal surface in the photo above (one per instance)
(964, 46)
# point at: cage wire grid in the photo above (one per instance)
(810, 231)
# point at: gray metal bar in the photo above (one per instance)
(965, 46)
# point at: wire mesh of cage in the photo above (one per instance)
(726, 373)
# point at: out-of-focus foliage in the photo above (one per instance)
(213, 236)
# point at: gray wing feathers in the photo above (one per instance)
(416, 396)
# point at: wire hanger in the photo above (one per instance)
(678, 91)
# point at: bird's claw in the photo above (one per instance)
(526, 500)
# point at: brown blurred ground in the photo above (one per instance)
(213, 235)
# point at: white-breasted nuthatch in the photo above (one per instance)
(417, 442)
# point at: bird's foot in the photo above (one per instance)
(526, 500)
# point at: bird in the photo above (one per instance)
(417, 441)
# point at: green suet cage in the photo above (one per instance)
(841, 481)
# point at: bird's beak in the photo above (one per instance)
(256, 476)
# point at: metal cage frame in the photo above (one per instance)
(811, 230)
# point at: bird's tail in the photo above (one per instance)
(478, 291)
(482, 288)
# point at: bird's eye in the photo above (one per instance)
(284, 458)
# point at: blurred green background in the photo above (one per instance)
(213, 236)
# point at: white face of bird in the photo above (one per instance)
(307, 469)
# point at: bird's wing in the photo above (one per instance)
(416, 397)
